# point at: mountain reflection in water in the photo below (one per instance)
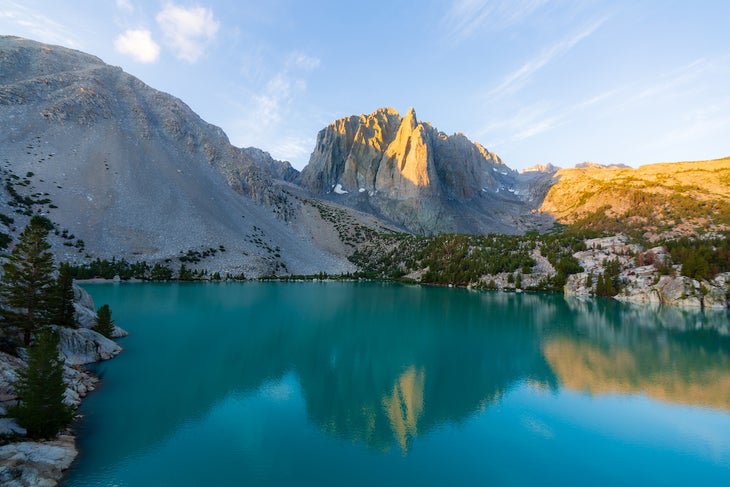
(380, 365)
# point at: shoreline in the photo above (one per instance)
(25, 462)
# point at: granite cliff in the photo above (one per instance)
(415, 176)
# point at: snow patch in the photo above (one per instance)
(339, 190)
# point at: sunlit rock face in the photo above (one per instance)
(412, 174)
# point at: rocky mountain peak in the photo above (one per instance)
(406, 171)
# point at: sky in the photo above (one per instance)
(535, 81)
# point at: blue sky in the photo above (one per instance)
(535, 81)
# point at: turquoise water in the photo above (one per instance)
(376, 384)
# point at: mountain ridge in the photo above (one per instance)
(135, 173)
(408, 172)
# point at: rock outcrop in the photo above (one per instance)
(414, 175)
(31, 463)
(645, 284)
(276, 169)
(36, 464)
(83, 346)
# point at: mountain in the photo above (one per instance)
(280, 170)
(126, 171)
(667, 199)
(411, 174)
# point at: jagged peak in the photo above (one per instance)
(386, 111)
(410, 119)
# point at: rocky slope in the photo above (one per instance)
(415, 176)
(646, 284)
(132, 172)
(655, 200)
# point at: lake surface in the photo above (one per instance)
(379, 384)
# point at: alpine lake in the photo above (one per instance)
(371, 384)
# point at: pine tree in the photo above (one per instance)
(104, 322)
(64, 313)
(600, 286)
(40, 389)
(28, 278)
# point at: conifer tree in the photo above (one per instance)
(40, 389)
(104, 322)
(600, 286)
(64, 313)
(28, 278)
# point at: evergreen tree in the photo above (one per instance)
(160, 272)
(28, 278)
(610, 287)
(40, 389)
(184, 274)
(63, 298)
(600, 286)
(104, 322)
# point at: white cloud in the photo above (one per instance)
(299, 60)
(292, 148)
(516, 80)
(125, 5)
(531, 121)
(139, 45)
(267, 117)
(282, 88)
(187, 30)
(466, 17)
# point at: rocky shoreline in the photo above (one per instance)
(43, 463)
(646, 284)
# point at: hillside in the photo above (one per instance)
(126, 171)
(655, 200)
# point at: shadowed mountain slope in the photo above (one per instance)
(134, 173)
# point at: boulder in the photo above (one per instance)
(36, 464)
(715, 296)
(83, 346)
(679, 291)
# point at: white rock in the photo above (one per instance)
(36, 464)
(84, 346)
(8, 426)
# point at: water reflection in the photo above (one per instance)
(381, 365)
(669, 354)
